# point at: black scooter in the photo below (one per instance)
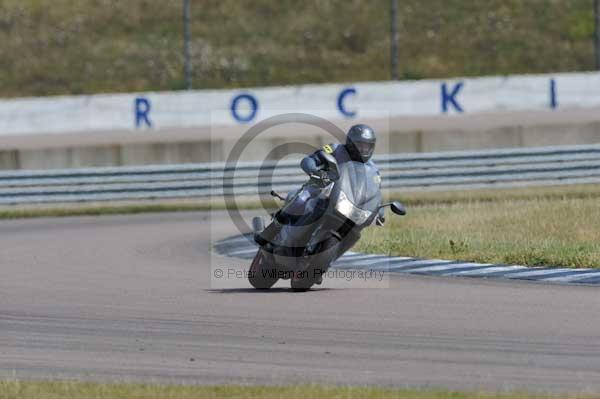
(348, 200)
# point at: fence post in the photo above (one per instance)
(597, 32)
(186, 44)
(394, 39)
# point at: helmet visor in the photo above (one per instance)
(364, 149)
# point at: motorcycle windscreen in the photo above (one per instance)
(360, 183)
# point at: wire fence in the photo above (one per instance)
(597, 31)
(93, 46)
(394, 39)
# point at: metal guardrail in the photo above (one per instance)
(402, 172)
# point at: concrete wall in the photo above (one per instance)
(217, 149)
(203, 126)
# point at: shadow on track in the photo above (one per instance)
(269, 291)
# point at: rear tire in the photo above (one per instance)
(260, 276)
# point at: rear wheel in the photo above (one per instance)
(261, 276)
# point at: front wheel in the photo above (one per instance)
(261, 276)
(303, 281)
(300, 284)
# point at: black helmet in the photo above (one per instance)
(360, 142)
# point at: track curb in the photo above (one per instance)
(243, 247)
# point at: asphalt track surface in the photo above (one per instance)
(129, 298)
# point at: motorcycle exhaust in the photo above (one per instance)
(258, 224)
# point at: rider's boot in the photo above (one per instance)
(268, 234)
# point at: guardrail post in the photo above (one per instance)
(597, 32)
(394, 39)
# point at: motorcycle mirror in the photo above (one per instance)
(398, 208)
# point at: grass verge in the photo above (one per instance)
(22, 213)
(91, 46)
(543, 226)
(414, 199)
(534, 227)
(84, 390)
(64, 210)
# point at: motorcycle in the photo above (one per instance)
(347, 200)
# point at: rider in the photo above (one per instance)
(360, 144)
(359, 147)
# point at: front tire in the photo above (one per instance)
(261, 276)
(300, 283)
(303, 281)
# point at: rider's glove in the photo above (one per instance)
(320, 175)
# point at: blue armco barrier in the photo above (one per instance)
(400, 172)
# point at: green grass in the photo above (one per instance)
(584, 191)
(86, 390)
(535, 227)
(543, 226)
(65, 210)
(411, 199)
(91, 46)
(97, 210)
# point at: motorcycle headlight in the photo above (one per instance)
(349, 210)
